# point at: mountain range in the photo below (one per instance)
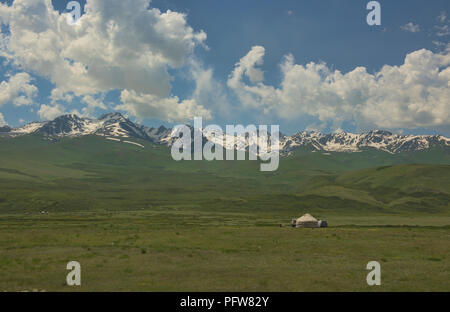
(115, 126)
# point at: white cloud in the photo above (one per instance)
(439, 44)
(49, 112)
(410, 27)
(209, 94)
(442, 30)
(150, 106)
(2, 121)
(117, 44)
(246, 66)
(92, 105)
(442, 17)
(57, 95)
(17, 90)
(412, 95)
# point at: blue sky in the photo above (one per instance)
(334, 32)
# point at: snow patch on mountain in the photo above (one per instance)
(115, 125)
(28, 128)
(350, 142)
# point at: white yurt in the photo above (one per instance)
(307, 221)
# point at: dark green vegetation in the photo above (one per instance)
(137, 220)
(94, 174)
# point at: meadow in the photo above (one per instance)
(138, 221)
(198, 251)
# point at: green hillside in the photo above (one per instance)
(94, 174)
(419, 188)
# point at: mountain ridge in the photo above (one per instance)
(116, 125)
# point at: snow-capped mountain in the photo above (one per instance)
(350, 142)
(115, 125)
(109, 125)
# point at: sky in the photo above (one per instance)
(303, 65)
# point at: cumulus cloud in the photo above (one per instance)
(246, 66)
(410, 27)
(209, 92)
(49, 112)
(2, 121)
(18, 90)
(412, 95)
(170, 108)
(117, 44)
(57, 95)
(92, 104)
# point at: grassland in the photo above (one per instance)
(137, 220)
(197, 251)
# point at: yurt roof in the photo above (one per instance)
(306, 217)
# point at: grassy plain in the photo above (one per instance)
(199, 251)
(137, 220)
